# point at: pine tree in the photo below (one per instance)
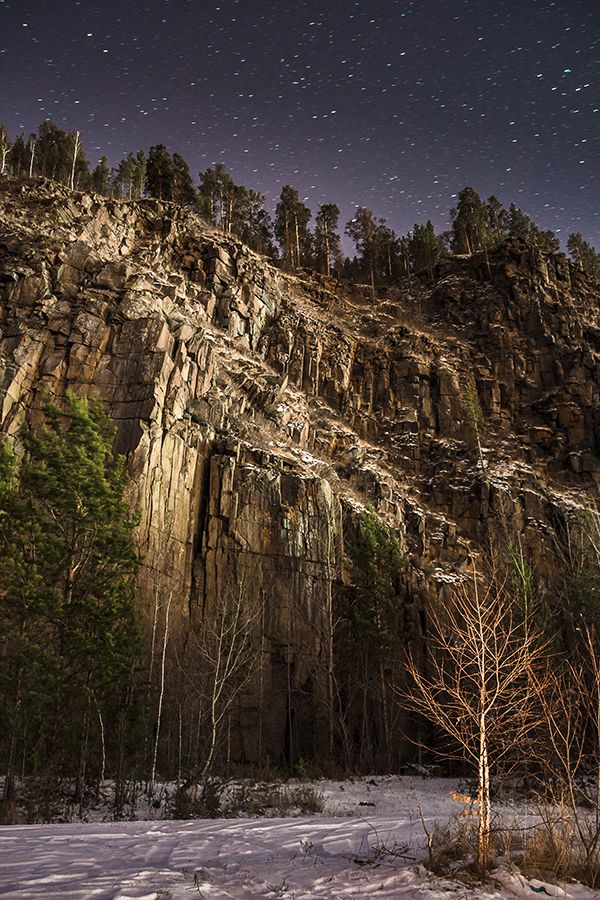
(19, 163)
(425, 248)
(498, 220)
(371, 631)
(291, 228)
(123, 177)
(183, 190)
(524, 228)
(160, 173)
(367, 233)
(390, 252)
(218, 197)
(584, 254)
(235, 209)
(101, 176)
(253, 223)
(67, 609)
(519, 224)
(469, 222)
(53, 152)
(327, 238)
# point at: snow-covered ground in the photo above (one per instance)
(368, 843)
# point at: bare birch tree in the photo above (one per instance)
(31, 144)
(227, 647)
(5, 148)
(477, 688)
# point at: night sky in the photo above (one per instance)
(391, 104)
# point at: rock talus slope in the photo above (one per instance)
(261, 412)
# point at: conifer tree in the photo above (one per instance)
(183, 190)
(327, 238)
(390, 250)
(67, 612)
(217, 197)
(519, 225)
(524, 228)
(124, 176)
(425, 247)
(469, 222)
(52, 152)
(160, 173)
(291, 228)
(498, 220)
(101, 176)
(253, 223)
(583, 253)
(235, 209)
(18, 157)
(367, 233)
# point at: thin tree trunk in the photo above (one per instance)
(9, 783)
(483, 799)
(83, 752)
(32, 145)
(4, 150)
(289, 700)
(487, 262)
(468, 243)
(161, 696)
(261, 679)
(289, 250)
(297, 241)
(365, 713)
(385, 713)
(102, 739)
(327, 258)
(151, 669)
(76, 149)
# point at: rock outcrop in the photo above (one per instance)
(261, 412)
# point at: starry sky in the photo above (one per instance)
(391, 104)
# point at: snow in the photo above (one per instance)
(371, 847)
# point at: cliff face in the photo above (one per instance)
(261, 412)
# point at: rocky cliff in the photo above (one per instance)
(262, 412)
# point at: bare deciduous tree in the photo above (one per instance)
(570, 701)
(228, 653)
(478, 687)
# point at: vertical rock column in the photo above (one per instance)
(274, 538)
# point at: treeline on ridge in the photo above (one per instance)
(381, 257)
